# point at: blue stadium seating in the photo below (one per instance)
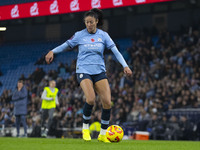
(18, 59)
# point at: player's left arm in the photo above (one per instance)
(111, 45)
(121, 60)
(49, 57)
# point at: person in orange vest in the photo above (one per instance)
(49, 102)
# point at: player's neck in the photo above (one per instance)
(93, 32)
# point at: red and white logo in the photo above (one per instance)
(34, 10)
(117, 2)
(96, 3)
(92, 40)
(15, 12)
(140, 1)
(74, 5)
(54, 7)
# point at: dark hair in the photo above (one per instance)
(20, 81)
(97, 14)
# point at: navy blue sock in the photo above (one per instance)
(105, 117)
(87, 110)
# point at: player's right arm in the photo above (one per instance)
(111, 45)
(72, 42)
(59, 49)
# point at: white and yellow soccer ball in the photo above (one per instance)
(114, 133)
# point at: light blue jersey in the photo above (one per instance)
(91, 48)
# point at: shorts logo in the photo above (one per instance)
(81, 75)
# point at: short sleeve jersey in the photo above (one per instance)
(90, 50)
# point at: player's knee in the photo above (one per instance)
(91, 99)
(107, 104)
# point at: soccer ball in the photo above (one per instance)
(114, 133)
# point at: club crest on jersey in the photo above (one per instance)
(92, 40)
(99, 39)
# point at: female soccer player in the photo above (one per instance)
(90, 68)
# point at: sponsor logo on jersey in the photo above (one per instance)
(54, 7)
(92, 40)
(96, 3)
(93, 46)
(34, 10)
(74, 5)
(14, 12)
(117, 2)
(140, 1)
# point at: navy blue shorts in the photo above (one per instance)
(93, 78)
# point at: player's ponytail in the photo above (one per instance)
(99, 14)
(96, 13)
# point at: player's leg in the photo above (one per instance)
(103, 90)
(23, 120)
(43, 126)
(17, 124)
(50, 120)
(87, 87)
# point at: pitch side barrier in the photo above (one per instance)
(192, 114)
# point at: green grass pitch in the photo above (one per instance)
(79, 144)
